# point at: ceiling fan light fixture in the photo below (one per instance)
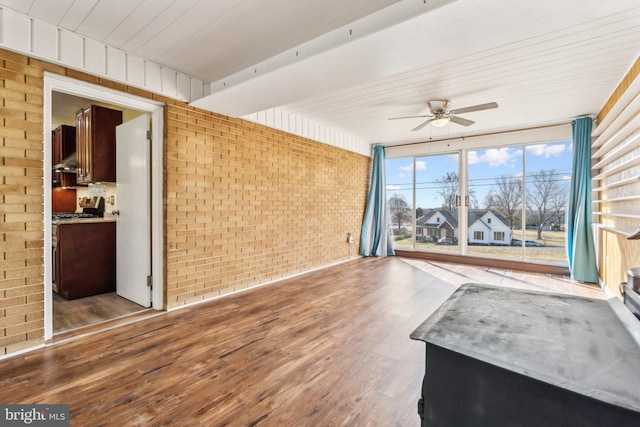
(440, 122)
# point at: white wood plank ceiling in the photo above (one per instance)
(344, 67)
(207, 39)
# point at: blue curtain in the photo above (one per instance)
(581, 251)
(374, 240)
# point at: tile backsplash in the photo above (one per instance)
(106, 190)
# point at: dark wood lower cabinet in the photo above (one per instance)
(85, 260)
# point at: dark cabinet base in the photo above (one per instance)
(85, 259)
(463, 391)
(510, 357)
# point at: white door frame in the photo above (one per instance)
(57, 83)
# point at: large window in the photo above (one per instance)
(431, 185)
(513, 208)
(436, 203)
(496, 179)
(399, 176)
(547, 178)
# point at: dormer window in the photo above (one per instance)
(489, 220)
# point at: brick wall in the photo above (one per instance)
(248, 204)
(21, 203)
(244, 204)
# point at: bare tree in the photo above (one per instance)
(505, 197)
(399, 210)
(449, 192)
(546, 198)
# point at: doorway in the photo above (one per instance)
(63, 96)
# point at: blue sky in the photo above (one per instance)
(484, 167)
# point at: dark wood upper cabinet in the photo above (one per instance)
(63, 144)
(96, 144)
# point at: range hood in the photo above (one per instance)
(68, 165)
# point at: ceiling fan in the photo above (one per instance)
(439, 114)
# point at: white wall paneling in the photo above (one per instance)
(153, 76)
(169, 81)
(16, 29)
(44, 40)
(183, 86)
(135, 70)
(277, 119)
(71, 48)
(281, 120)
(616, 165)
(95, 56)
(197, 89)
(270, 116)
(116, 64)
(59, 44)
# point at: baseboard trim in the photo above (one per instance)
(213, 298)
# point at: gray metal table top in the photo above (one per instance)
(572, 342)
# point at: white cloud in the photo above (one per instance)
(566, 178)
(493, 156)
(393, 187)
(546, 150)
(536, 150)
(420, 166)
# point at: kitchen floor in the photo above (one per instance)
(82, 312)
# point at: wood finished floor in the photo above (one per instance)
(82, 312)
(330, 348)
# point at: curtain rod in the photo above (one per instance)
(482, 134)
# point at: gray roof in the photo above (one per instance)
(473, 216)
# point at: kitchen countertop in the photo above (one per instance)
(82, 220)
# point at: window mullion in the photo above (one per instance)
(414, 205)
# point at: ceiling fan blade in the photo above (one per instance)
(409, 117)
(421, 125)
(461, 121)
(487, 106)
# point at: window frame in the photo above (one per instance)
(551, 134)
